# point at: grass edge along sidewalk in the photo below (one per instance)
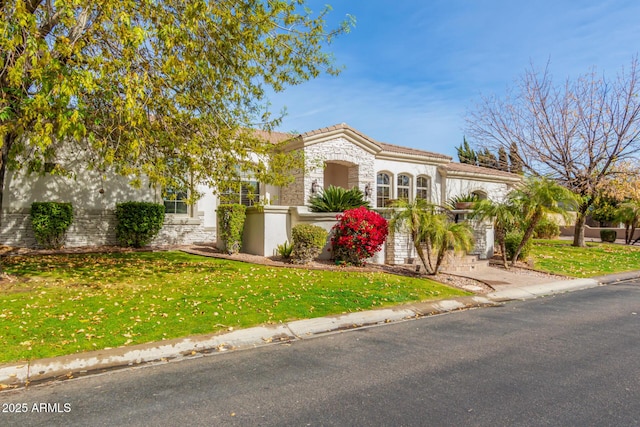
(65, 304)
(596, 259)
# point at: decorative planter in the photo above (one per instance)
(464, 205)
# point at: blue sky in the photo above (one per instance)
(414, 68)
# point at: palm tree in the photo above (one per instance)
(432, 232)
(629, 214)
(417, 218)
(447, 235)
(505, 215)
(539, 196)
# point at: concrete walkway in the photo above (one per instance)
(508, 286)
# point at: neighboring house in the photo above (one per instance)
(338, 155)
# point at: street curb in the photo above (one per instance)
(64, 367)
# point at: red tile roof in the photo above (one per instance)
(413, 151)
(478, 170)
(273, 136)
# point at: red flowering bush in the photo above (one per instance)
(358, 235)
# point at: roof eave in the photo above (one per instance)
(480, 176)
(414, 158)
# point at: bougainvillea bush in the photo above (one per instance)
(358, 235)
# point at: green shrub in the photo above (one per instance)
(138, 223)
(231, 224)
(285, 250)
(546, 229)
(337, 199)
(308, 241)
(512, 241)
(50, 221)
(609, 236)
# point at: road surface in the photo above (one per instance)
(566, 360)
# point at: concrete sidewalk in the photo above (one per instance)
(511, 287)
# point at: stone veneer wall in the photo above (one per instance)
(293, 194)
(361, 162)
(97, 228)
(398, 248)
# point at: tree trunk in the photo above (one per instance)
(578, 232)
(420, 253)
(500, 237)
(528, 233)
(7, 142)
(441, 254)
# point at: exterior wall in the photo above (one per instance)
(412, 169)
(458, 186)
(338, 150)
(484, 239)
(88, 191)
(294, 193)
(398, 248)
(265, 229)
(94, 210)
(98, 228)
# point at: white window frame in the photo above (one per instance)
(420, 188)
(388, 186)
(402, 188)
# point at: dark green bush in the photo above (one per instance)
(512, 241)
(138, 223)
(50, 221)
(230, 226)
(609, 236)
(337, 199)
(546, 229)
(308, 241)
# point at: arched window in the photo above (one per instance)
(481, 195)
(404, 186)
(423, 188)
(383, 189)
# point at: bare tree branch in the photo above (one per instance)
(576, 133)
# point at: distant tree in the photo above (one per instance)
(515, 162)
(466, 154)
(487, 159)
(503, 160)
(629, 214)
(574, 133)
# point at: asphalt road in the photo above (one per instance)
(567, 360)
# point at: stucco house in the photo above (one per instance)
(338, 155)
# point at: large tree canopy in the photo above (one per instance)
(154, 88)
(575, 132)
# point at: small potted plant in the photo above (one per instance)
(464, 201)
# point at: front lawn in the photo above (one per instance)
(63, 304)
(558, 256)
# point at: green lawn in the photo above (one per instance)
(65, 304)
(558, 256)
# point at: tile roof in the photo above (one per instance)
(413, 151)
(273, 137)
(341, 126)
(479, 170)
(391, 148)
